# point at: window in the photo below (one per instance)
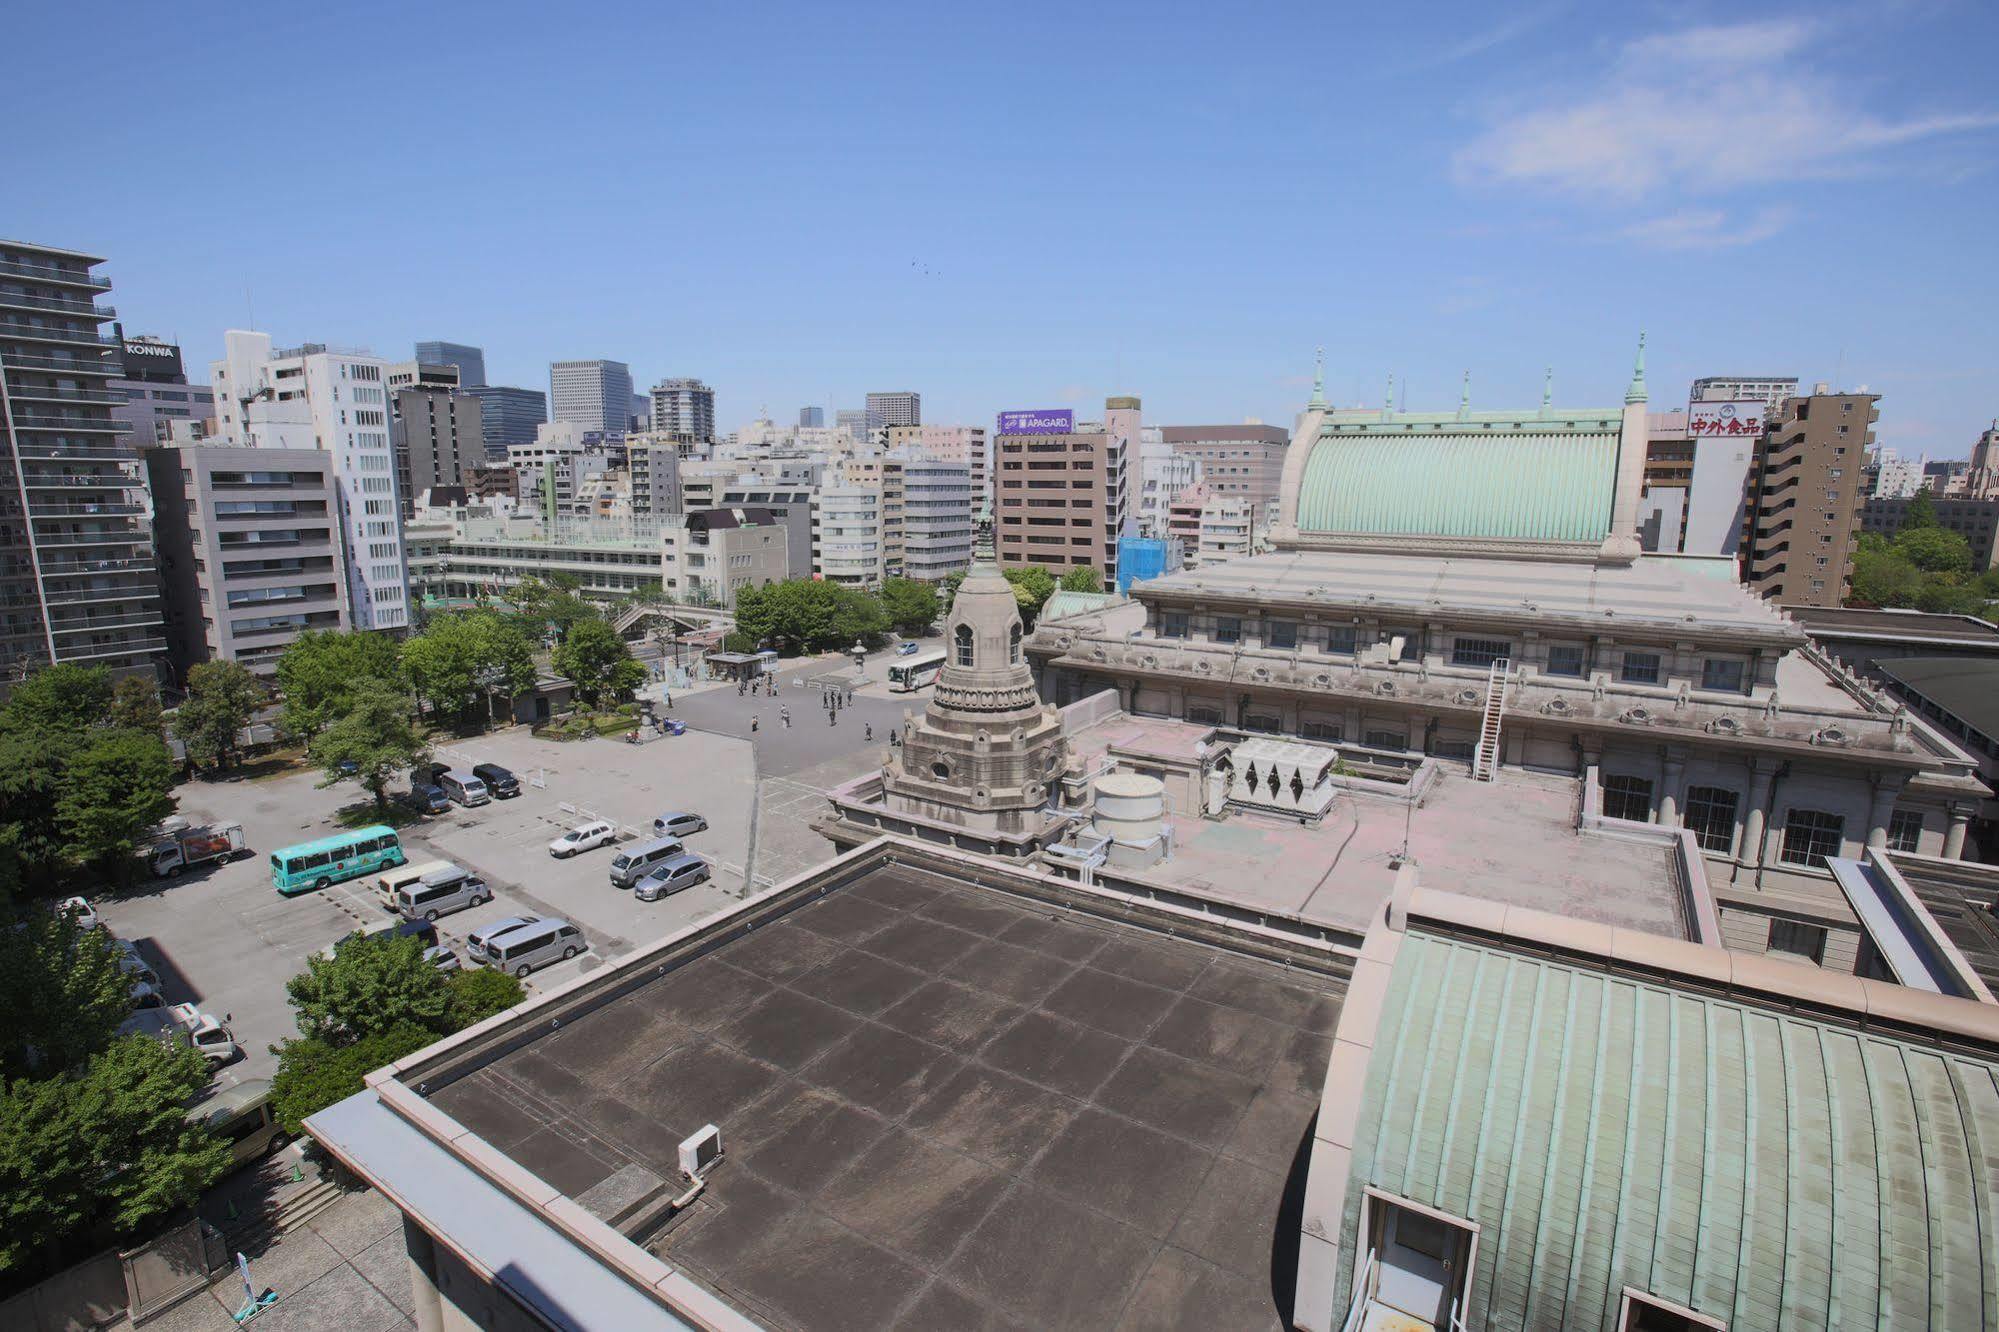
(1722, 675)
(962, 637)
(1228, 629)
(1810, 835)
(1388, 740)
(1173, 624)
(1641, 668)
(1013, 645)
(1648, 1313)
(1479, 652)
(1797, 939)
(1283, 634)
(1565, 659)
(1628, 798)
(1322, 730)
(1341, 638)
(1905, 830)
(1711, 817)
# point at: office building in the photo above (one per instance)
(812, 417)
(1804, 500)
(1237, 461)
(856, 423)
(77, 581)
(609, 558)
(786, 494)
(1183, 522)
(710, 555)
(849, 535)
(653, 462)
(937, 525)
(160, 405)
(419, 374)
(1896, 477)
(1061, 487)
(967, 445)
(314, 396)
(684, 408)
(1770, 390)
(250, 548)
(894, 409)
(437, 435)
(1162, 476)
(509, 416)
(1228, 530)
(594, 396)
(1976, 520)
(470, 362)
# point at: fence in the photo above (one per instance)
(101, 1290)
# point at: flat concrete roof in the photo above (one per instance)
(1912, 625)
(944, 1105)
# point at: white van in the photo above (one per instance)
(463, 788)
(521, 951)
(441, 893)
(636, 861)
(401, 876)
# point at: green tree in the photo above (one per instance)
(553, 604)
(479, 993)
(1883, 578)
(1084, 578)
(115, 788)
(320, 671)
(33, 849)
(135, 704)
(62, 698)
(1032, 586)
(1921, 513)
(371, 984)
(1933, 550)
(313, 1074)
(222, 701)
(910, 604)
(110, 1141)
(451, 663)
(597, 662)
(61, 989)
(371, 740)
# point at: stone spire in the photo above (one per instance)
(1318, 401)
(1636, 393)
(986, 669)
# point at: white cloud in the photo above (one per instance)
(1697, 113)
(1707, 229)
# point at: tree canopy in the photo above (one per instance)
(370, 740)
(911, 605)
(222, 700)
(1083, 578)
(61, 989)
(598, 662)
(320, 671)
(809, 615)
(457, 657)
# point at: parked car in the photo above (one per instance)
(907, 649)
(184, 1024)
(420, 928)
(679, 825)
(502, 783)
(428, 799)
(671, 876)
(242, 1117)
(132, 964)
(442, 893)
(583, 837)
(86, 915)
(185, 847)
(480, 940)
(441, 957)
(530, 946)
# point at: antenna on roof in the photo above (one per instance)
(1464, 397)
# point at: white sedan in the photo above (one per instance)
(77, 907)
(583, 837)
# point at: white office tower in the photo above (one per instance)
(1162, 474)
(595, 395)
(936, 517)
(316, 397)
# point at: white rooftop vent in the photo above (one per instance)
(700, 1152)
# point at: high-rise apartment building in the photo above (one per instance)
(1804, 501)
(77, 579)
(653, 460)
(509, 416)
(250, 550)
(594, 395)
(160, 405)
(812, 418)
(315, 396)
(937, 517)
(470, 361)
(1245, 461)
(437, 435)
(683, 407)
(1160, 474)
(849, 540)
(964, 444)
(1896, 477)
(1061, 487)
(895, 409)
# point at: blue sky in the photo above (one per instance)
(1023, 206)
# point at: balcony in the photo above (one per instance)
(85, 309)
(100, 425)
(104, 622)
(102, 397)
(26, 332)
(74, 277)
(98, 595)
(92, 568)
(79, 480)
(108, 509)
(132, 536)
(62, 365)
(145, 645)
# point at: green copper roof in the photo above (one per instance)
(1760, 1167)
(1518, 479)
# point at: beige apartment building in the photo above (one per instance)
(1061, 494)
(1237, 461)
(1804, 499)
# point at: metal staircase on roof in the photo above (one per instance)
(1485, 758)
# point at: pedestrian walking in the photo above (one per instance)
(753, 723)
(832, 719)
(784, 715)
(868, 733)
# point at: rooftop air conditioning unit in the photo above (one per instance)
(700, 1152)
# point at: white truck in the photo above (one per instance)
(183, 847)
(187, 1024)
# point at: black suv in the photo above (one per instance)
(499, 781)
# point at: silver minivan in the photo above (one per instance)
(440, 893)
(523, 950)
(463, 788)
(636, 861)
(479, 942)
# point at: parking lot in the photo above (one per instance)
(222, 937)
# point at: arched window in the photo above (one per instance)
(964, 641)
(1013, 645)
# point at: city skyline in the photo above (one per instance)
(1485, 228)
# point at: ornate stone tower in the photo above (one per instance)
(986, 754)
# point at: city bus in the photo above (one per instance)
(909, 674)
(349, 855)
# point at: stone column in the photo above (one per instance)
(1761, 771)
(427, 1305)
(1953, 838)
(1674, 763)
(1886, 788)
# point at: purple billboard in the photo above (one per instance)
(1037, 423)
